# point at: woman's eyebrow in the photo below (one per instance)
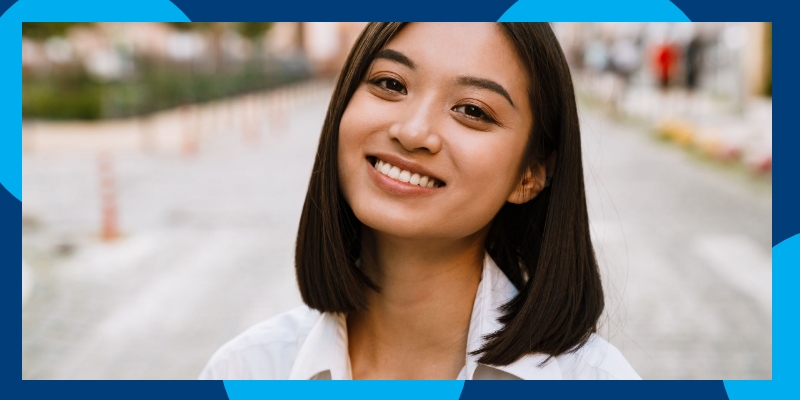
(484, 84)
(396, 56)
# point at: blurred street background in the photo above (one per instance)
(165, 167)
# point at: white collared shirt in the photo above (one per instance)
(306, 344)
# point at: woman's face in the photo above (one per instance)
(431, 142)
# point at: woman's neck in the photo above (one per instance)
(416, 327)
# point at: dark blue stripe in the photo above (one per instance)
(594, 390)
(123, 390)
(359, 10)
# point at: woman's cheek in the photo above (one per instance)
(347, 152)
(491, 179)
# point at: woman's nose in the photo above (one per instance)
(416, 129)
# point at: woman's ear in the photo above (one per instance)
(533, 181)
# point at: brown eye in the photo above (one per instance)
(391, 85)
(473, 112)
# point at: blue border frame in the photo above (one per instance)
(786, 241)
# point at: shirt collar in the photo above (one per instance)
(325, 347)
(494, 291)
(324, 351)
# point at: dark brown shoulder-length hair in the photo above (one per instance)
(542, 246)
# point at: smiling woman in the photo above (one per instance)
(444, 233)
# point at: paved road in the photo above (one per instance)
(207, 245)
(685, 246)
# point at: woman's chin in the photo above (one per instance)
(417, 230)
(399, 228)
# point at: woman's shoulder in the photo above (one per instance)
(266, 350)
(597, 359)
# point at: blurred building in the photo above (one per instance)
(735, 54)
(326, 44)
(757, 56)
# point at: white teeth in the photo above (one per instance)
(405, 176)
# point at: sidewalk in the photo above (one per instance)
(27, 283)
(716, 128)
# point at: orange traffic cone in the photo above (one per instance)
(108, 199)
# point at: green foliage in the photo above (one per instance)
(75, 98)
(192, 26)
(250, 30)
(156, 86)
(44, 30)
(253, 30)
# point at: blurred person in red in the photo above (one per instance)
(664, 60)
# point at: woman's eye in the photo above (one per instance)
(390, 84)
(473, 112)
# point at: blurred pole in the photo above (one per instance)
(272, 112)
(217, 118)
(108, 198)
(29, 137)
(281, 109)
(240, 122)
(740, 82)
(144, 125)
(251, 126)
(263, 111)
(188, 139)
(231, 115)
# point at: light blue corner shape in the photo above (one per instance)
(594, 11)
(344, 390)
(785, 275)
(11, 69)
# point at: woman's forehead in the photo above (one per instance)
(462, 49)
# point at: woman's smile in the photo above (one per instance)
(396, 186)
(402, 177)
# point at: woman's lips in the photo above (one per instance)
(404, 164)
(392, 180)
(405, 175)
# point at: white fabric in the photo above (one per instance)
(306, 344)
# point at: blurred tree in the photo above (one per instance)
(215, 30)
(253, 30)
(44, 30)
(191, 26)
(70, 96)
(159, 83)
